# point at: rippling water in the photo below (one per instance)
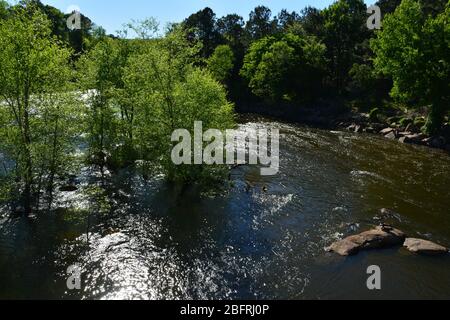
(262, 239)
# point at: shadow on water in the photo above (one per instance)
(262, 237)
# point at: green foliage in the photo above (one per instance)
(109, 118)
(404, 122)
(3, 9)
(170, 93)
(231, 28)
(39, 120)
(286, 20)
(344, 27)
(202, 27)
(260, 23)
(221, 63)
(144, 29)
(289, 68)
(78, 40)
(414, 49)
(388, 6)
(420, 123)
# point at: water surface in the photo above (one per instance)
(261, 238)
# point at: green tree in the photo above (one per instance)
(202, 26)
(78, 40)
(388, 6)
(312, 21)
(290, 68)
(260, 23)
(170, 93)
(414, 49)
(221, 63)
(37, 110)
(344, 28)
(4, 6)
(286, 19)
(231, 28)
(100, 76)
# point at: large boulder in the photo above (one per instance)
(378, 238)
(424, 247)
(391, 136)
(386, 131)
(344, 247)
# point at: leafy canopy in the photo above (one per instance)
(414, 49)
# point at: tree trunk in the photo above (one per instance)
(27, 195)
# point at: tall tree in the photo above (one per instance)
(312, 21)
(260, 23)
(388, 6)
(286, 19)
(290, 68)
(100, 75)
(34, 81)
(231, 28)
(202, 26)
(414, 49)
(344, 28)
(170, 93)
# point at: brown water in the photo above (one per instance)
(151, 240)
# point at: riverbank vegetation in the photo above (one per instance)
(119, 98)
(118, 103)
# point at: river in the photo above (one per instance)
(261, 238)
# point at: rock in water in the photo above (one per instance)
(391, 136)
(344, 248)
(378, 238)
(386, 131)
(425, 247)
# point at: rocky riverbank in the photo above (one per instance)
(395, 125)
(404, 130)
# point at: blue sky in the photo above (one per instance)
(112, 14)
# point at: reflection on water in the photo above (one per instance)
(263, 238)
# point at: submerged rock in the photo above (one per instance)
(18, 211)
(408, 137)
(388, 216)
(378, 238)
(438, 142)
(424, 247)
(68, 189)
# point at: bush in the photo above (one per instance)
(404, 122)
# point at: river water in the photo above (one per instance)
(261, 238)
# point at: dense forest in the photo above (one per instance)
(82, 96)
